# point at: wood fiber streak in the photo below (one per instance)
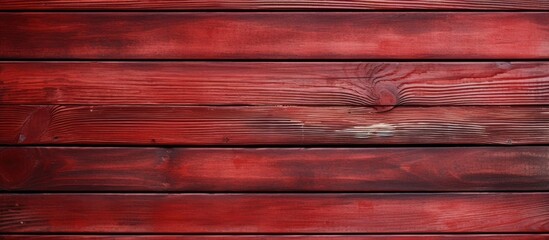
(279, 213)
(275, 35)
(272, 125)
(283, 237)
(274, 170)
(274, 83)
(273, 4)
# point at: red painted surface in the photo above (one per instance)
(96, 169)
(292, 237)
(273, 4)
(96, 79)
(275, 83)
(280, 213)
(274, 170)
(275, 35)
(246, 125)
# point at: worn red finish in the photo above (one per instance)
(275, 83)
(274, 170)
(275, 213)
(337, 125)
(246, 125)
(275, 35)
(273, 4)
(287, 237)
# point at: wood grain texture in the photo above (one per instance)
(275, 83)
(274, 170)
(271, 125)
(273, 4)
(279, 213)
(275, 35)
(284, 237)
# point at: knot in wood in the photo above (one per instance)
(16, 167)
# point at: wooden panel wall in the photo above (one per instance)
(274, 119)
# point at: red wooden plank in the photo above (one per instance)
(274, 170)
(272, 125)
(274, 83)
(284, 237)
(272, 4)
(278, 35)
(279, 213)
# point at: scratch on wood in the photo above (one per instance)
(35, 125)
(24, 126)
